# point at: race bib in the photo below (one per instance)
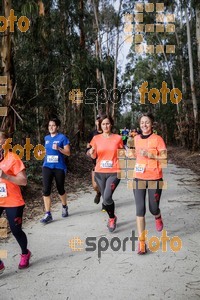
(3, 190)
(106, 164)
(139, 168)
(52, 158)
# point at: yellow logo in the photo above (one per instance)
(22, 24)
(3, 228)
(74, 242)
(3, 91)
(3, 85)
(3, 234)
(76, 96)
(134, 23)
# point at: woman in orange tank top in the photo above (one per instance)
(105, 149)
(150, 151)
(12, 175)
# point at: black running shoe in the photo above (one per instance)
(97, 198)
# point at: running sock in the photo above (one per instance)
(110, 210)
(158, 217)
(64, 206)
(48, 212)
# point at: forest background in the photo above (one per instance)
(68, 63)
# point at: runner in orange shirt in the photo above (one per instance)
(105, 148)
(12, 174)
(150, 150)
(97, 131)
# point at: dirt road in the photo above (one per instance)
(113, 270)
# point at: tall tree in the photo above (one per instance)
(192, 82)
(8, 69)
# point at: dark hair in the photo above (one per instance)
(109, 118)
(55, 120)
(4, 134)
(148, 115)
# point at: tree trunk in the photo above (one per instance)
(114, 102)
(182, 118)
(8, 70)
(37, 114)
(41, 8)
(169, 70)
(193, 93)
(95, 8)
(198, 53)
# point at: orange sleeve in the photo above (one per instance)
(161, 144)
(17, 165)
(93, 143)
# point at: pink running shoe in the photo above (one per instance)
(2, 268)
(24, 261)
(112, 224)
(159, 224)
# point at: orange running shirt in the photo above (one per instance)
(106, 149)
(146, 168)
(11, 165)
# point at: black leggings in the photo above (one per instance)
(107, 183)
(14, 216)
(154, 191)
(48, 175)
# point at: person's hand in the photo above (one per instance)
(130, 153)
(144, 153)
(55, 146)
(91, 151)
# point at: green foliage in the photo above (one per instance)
(58, 53)
(34, 171)
(173, 122)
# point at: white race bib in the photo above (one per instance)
(3, 190)
(52, 158)
(106, 164)
(139, 168)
